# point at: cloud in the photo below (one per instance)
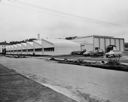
(101, 17)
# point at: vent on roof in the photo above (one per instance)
(70, 38)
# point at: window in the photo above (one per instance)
(49, 49)
(18, 50)
(15, 50)
(24, 50)
(29, 50)
(38, 49)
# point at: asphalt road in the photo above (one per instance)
(17, 88)
(89, 82)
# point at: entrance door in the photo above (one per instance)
(82, 47)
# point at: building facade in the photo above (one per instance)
(44, 47)
(102, 42)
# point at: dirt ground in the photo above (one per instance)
(17, 88)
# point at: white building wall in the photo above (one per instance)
(64, 50)
(49, 52)
(19, 49)
(7, 49)
(12, 50)
(121, 45)
(30, 52)
(102, 44)
(96, 42)
(24, 47)
(61, 47)
(85, 43)
(83, 40)
(66, 47)
(38, 45)
(89, 47)
(46, 44)
(118, 44)
(39, 53)
(112, 41)
(90, 43)
(15, 48)
(30, 48)
(107, 40)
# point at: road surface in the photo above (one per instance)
(17, 88)
(77, 82)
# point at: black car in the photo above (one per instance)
(78, 52)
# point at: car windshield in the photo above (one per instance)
(114, 49)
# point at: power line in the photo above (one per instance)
(62, 13)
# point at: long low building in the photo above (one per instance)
(44, 47)
(64, 47)
(91, 42)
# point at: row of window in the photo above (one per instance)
(30, 50)
(13, 50)
(38, 49)
(50, 49)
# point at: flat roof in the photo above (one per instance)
(60, 42)
(99, 36)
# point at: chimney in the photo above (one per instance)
(38, 36)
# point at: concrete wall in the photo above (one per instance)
(50, 48)
(64, 50)
(102, 43)
(89, 43)
(122, 44)
(85, 43)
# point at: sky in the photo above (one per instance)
(23, 19)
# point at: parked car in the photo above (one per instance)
(88, 53)
(94, 53)
(78, 52)
(100, 53)
(113, 53)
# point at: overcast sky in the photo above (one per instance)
(22, 19)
